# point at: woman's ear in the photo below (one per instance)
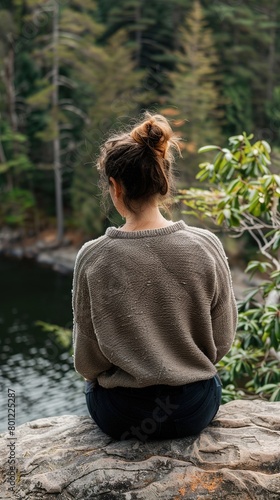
(116, 186)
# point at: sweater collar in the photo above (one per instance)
(113, 232)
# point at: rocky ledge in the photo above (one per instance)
(68, 457)
(42, 249)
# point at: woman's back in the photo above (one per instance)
(159, 301)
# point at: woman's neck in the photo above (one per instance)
(146, 218)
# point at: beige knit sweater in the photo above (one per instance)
(152, 307)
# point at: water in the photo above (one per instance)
(33, 363)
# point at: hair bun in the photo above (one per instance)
(141, 160)
(153, 133)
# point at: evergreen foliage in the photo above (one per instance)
(195, 91)
(152, 34)
(212, 66)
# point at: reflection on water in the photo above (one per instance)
(32, 362)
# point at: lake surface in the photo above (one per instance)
(32, 362)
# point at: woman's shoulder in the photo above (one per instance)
(88, 249)
(202, 235)
(206, 242)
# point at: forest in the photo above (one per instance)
(71, 72)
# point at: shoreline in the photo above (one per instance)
(42, 248)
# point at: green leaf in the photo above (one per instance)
(277, 179)
(211, 147)
(266, 388)
(266, 145)
(256, 265)
(276, 395)
(234, 185)
(203, 175)
(220, 218)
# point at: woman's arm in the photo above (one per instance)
(224, 310)
(89, 361)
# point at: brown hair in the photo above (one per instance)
(141, 160)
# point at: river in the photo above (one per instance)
(33, 363)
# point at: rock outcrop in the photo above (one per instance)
(48, 253)
(68, 457)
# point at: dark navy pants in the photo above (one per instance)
(154, 412)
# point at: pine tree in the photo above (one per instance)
(9, 117)
(96, 85)
(115, 100)
(70, 41)
(152, 34)
(194, 97)
(245, 37)
(14, 162)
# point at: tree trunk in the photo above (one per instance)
(56, 141)
(10, 88)
(3, 159)
(138, 36)
(9, 62)
(272, 52)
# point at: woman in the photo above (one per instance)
(153, 303)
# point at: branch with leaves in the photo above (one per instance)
(244, 197)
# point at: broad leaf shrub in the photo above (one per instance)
(243, 197)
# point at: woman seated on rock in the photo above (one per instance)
(153, 303)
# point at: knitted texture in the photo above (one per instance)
(152, 307)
